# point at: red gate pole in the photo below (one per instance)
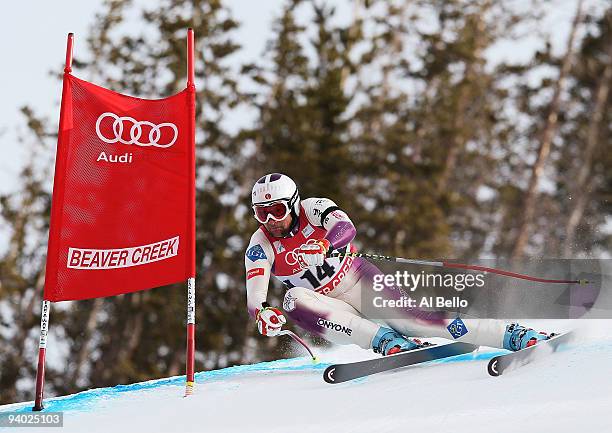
(46, 305)
(190, 378)
(42, 347)
(190, 356)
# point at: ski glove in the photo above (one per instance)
(313, 254)
(270, 320)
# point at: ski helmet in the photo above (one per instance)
(272, 189)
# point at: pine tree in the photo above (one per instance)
(25, 217)
(584, 166)
(546, 136)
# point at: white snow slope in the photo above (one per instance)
(568, 391)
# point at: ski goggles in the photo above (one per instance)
(277, 211)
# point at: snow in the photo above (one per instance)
(568, 391)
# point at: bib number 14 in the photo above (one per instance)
(324, 271)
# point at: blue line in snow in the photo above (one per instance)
(87, 400)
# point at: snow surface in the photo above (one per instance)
(568, 391)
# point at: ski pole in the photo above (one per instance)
(457, 266)
(300, 341)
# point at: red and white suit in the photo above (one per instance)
(326, 300)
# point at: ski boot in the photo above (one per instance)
(518, 337)
(387, 341)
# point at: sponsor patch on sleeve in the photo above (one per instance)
(457, 328)
(254, 272)
(255, 253)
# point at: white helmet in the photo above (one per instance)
(276, 188)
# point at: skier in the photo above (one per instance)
(324, 293)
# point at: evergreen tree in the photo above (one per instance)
(583, 184)
(25, 219)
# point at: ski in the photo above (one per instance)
(338, 373)
(510, 361)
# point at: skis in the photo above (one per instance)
(339, 373)
(513, 360)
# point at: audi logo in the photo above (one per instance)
(123, 122)
(291, 258)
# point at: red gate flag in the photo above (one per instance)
(122, 216)
(123, 207)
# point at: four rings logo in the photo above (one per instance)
(168, 130)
